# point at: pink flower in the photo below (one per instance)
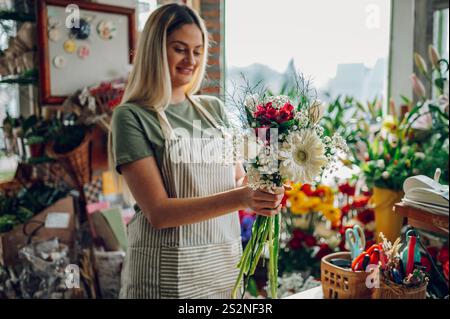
(418, 86)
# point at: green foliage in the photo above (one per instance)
(28, 201)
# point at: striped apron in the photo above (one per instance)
(191, 261)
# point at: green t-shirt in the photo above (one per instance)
(136, 132)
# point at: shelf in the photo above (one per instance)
(424, 219)
(17, 16)
(20, 81)
(27, 78)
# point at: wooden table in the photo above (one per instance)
(423, 219)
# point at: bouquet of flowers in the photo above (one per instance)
(290, 146)
(95, 104)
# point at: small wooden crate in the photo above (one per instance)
(390, 290)
(340, 283)
(11, 242)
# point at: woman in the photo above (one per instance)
(184, 240)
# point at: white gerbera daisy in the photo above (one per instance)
(302, 156)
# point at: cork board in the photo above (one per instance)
(70, 62)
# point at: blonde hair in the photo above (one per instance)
(149, 83)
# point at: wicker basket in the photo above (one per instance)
(340, 283)
(77, 161)
(390, 290)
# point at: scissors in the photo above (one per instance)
(355, 240)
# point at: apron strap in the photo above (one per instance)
(203, 111)
(167, 128)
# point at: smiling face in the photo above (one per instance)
(184, 52)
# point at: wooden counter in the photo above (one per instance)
(423, 219)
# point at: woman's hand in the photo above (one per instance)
(263, 202)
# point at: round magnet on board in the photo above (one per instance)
(54, 34)
(83, 51)
(70, 46)
(59, 62)
(52, 21)
(82, 31)
(106, 29)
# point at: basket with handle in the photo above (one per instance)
(341, 283)
(391, 290)
(76, 161)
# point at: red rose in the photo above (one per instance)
(319, 193)
(366, 216)
(310, 241)
(297, 233)
(443, 255)
(367, 193)
(306, 188)
(351, 190)
(345, 209)
(347, 189)
(360, 201)
(295, 243)
(283, 116)
(271, 113)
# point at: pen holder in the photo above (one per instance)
(391, 290)
(342, 283)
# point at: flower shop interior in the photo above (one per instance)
(373, 226)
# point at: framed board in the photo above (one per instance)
(99, 48)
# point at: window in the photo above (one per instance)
(440, 35)
(144, 9)
(9, 93)
(342, 45)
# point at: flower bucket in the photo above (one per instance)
(386, 220)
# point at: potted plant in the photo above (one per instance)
(36, 135)
(408, 144)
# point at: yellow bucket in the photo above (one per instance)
(386, 220)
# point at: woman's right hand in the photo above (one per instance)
(263, 202)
